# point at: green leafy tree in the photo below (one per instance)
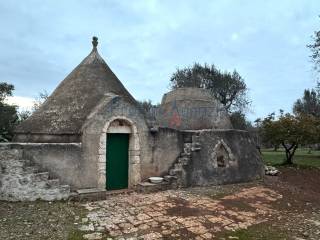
(43, 96)
(229, 88)
(266, 133)
(5, 91)
(146, 105)
(290, 131)
(23, 115)
(309, 103)
(8, 113)
(149, 109)
(239, 121)
(315, 50)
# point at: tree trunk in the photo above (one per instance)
(259, 149)
(290, 151)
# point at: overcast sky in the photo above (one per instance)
(145, 41)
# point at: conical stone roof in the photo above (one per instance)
(67, 108)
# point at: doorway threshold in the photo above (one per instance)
(97, 194)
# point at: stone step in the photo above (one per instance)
(183, 160)
(14, 166)
(31, 169)
(27, 180)
(195, 138)
(118, 192)
(51, 183)
(11, 169)
(169, 178)
(187, 145)
(33, 191)
(195, 149)
(37, 177)
(174, 171)
(90, 194)
(185, 154)
(15, 162)
(19, 169)
(96, 194)
(196, 144)
(103, 191)
(59, 193)
(178, 165)
(64, 189)
(147, 187)
(7, 153)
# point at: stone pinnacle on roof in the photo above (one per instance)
(68, 107)
(94, 41)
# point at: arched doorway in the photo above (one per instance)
(119, 155)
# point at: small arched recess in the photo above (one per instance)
(222, 156)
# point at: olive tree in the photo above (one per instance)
(315, 50)
(229, 88)
(309, 103)
(290, 131)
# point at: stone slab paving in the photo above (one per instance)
(176, 214)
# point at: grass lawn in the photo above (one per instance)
(302, 157)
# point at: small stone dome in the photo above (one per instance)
(192, 109)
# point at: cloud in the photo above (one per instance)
(24, 103)
(145, 41)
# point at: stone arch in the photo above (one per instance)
(222, 155)
(134, 149)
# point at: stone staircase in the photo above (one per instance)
(22, 181)
(178, 172)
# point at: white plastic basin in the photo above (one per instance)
(156, 179)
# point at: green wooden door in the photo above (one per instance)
(117, 161)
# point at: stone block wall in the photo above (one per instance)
(167, 144)
(224, 156)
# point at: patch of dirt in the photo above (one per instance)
(299, 210)
(306, 180)
(237, 205)
(218, 192)
(37, 220)
(300, 187)
(182, 208)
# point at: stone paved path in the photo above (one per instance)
(176, 214)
